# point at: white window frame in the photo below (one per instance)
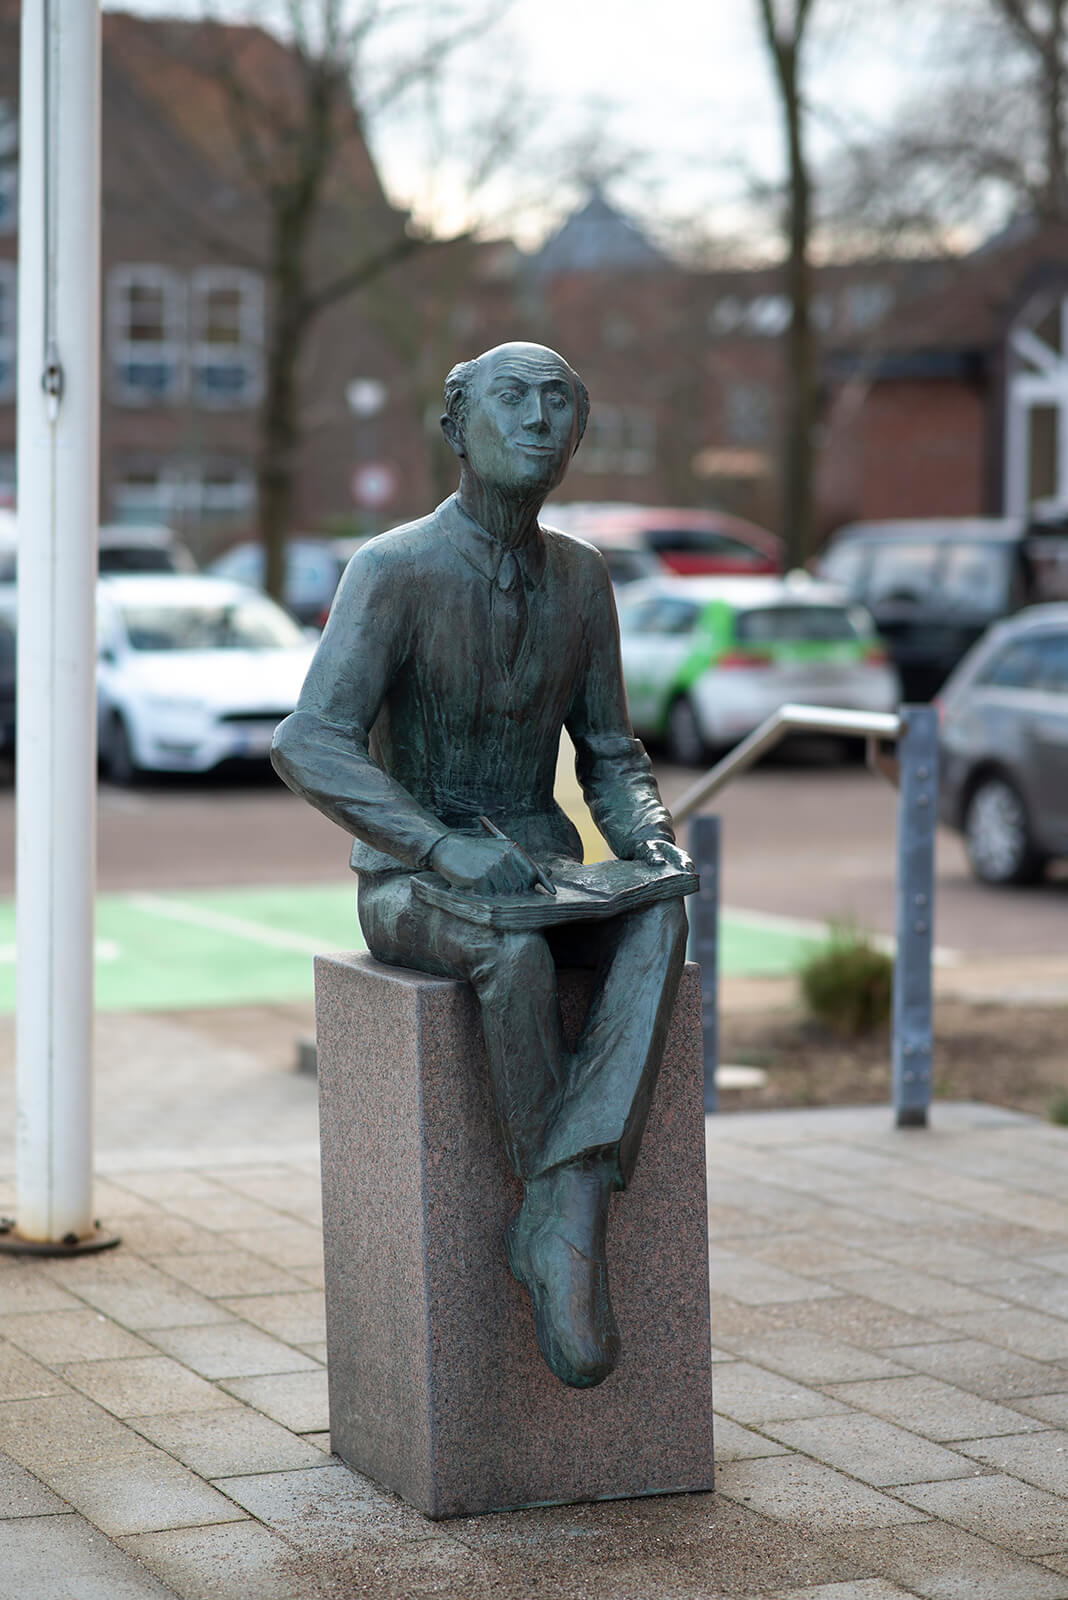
(184, 494)
(245, 355)
(9, 331)
(168, 351)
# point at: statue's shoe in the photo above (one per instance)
(573, 1320)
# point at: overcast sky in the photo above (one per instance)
(684, 85)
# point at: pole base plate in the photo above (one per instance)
(13, 1243)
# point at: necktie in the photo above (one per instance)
(509, 609)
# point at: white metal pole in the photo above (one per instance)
(58, 447)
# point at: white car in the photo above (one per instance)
(191, 671)
(705, 660)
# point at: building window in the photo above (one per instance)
(227, 351)
(620, 439)
(147, 335)
(183, 493)
(8, 325)
(748, 413)
(864, 304)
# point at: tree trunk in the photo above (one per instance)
(800, 419)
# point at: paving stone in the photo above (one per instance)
(812, 1359)
(935, 1410)
(224, 1562)
(915, 1292)
(144, 1386)
(28, 1289)
(855, 1320)
(58, 1336)
(1051, 1408)
(314, 1276)
(939, 1562)
(748, 1394)
(156, 1234)
(62, 1431)
(984, 1369)
(142, 1494)
(1029, 1333)
(171, 1183)
(857, 1589)
(959, 1262)
(229, 1350)
(21, 1378)
(297, 1194)
(321, 1440)
(809, 1256)
(327, 1509)
(298, 1318)
(220, 1444)
(23, 1495)
(140, 1298)
(792, 1489)
(710, 1546)
(292, 1244)
(735, 1443)
(224, 1211)
(897, 1207)
(63, 1558)
(1038, 1458)
(318, 1351)
(226, 1271)
(1046, 1292)
(1013, 1514)
(872, 1450)
(298, 1400)
(1053, 1260)
(755, 1283)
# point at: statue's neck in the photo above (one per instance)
(510, 518)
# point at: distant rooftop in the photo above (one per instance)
(598, 238)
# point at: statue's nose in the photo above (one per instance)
(534, 416)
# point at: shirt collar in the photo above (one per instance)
(485, 553)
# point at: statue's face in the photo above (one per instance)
(522, 419)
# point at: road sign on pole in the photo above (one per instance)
(58, 447)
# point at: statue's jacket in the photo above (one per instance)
(412, 723)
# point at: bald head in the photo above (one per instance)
(535, 362)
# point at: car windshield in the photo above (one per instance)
(251, 624)
(796, 625)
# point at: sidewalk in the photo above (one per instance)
(889, 1310)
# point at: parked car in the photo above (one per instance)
(1003, 744)
(192, 671)
(935, 585)
(705, 660)
(148, 547)
(313, 572)
(685, 541)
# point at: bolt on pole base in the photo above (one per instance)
(12, 1242)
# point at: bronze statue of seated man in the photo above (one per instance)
(457, 649)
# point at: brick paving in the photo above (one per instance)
(890, 1321)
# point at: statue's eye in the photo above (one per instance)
(511, 397)
(558, 401)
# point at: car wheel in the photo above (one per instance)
(683, 739)
(997, 835)
(117, 753)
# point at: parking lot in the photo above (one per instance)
(217, 891)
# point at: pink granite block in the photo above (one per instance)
(437, 1388)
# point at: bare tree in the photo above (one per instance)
(784, 28)
(298, 130)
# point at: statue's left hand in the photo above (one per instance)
(661, 853)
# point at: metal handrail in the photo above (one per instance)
(788, 719)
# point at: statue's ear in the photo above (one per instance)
(453, 437)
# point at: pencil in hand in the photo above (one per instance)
(542, 882)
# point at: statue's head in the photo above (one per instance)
(515, 416)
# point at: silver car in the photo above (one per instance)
(1004, 746)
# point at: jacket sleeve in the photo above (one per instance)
(611, 764)
(321, 750)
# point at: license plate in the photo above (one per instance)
(254, 740)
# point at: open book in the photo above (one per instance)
(583, 894)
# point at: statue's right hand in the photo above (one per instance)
(487, 866)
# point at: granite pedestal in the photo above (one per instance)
(437, 1388)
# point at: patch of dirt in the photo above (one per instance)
(1015, 1056)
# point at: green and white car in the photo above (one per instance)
(705, 660)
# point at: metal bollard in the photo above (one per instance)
(704, 940)
(917, 818)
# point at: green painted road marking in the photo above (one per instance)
(180, 949)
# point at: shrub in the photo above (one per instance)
(848, 982)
